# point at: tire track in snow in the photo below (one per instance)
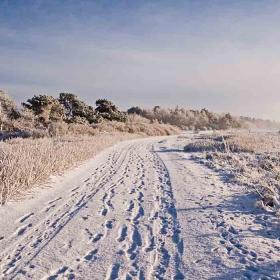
(43, 233)
(164, 234)
(137, 228)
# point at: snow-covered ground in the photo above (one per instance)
(140, 210)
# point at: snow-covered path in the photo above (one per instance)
(140, 210)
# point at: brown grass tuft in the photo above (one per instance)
(25, 163)
(248, 159)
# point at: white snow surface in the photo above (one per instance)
(142, 209)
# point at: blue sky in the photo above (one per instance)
(222, 55)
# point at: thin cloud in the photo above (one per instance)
(223, 57)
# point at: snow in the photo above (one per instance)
(142, 209)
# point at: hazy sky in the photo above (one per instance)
(222, 55)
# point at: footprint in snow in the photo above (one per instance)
(55, 200)
(122, 233)
(109, 224)
(91, 255)
(25, 217)
(97, 237)
(22, 230)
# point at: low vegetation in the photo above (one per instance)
(255, 123)
(41, 113)
(25, 163)
(248, 159)
(188, 119)
(49, 135)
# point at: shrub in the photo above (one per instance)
(107, 110)
(75, 109)
(57, 129)
(247, 159)
(8, 111)
(188, 119)
(45, 108)
(227, 143)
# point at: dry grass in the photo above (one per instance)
(248, 159)
(254, 142)
(25, 163)
(135, 124)
(236, 142)
(139, 125)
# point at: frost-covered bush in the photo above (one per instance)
(248, 159)
(188, 119)
(8, 111)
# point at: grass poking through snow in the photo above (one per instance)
(249, 159)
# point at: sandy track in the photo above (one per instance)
(143, 210)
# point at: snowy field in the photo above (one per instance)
(143, 209)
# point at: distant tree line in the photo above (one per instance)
(41, 111)
(188, 119)
(250, 122)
